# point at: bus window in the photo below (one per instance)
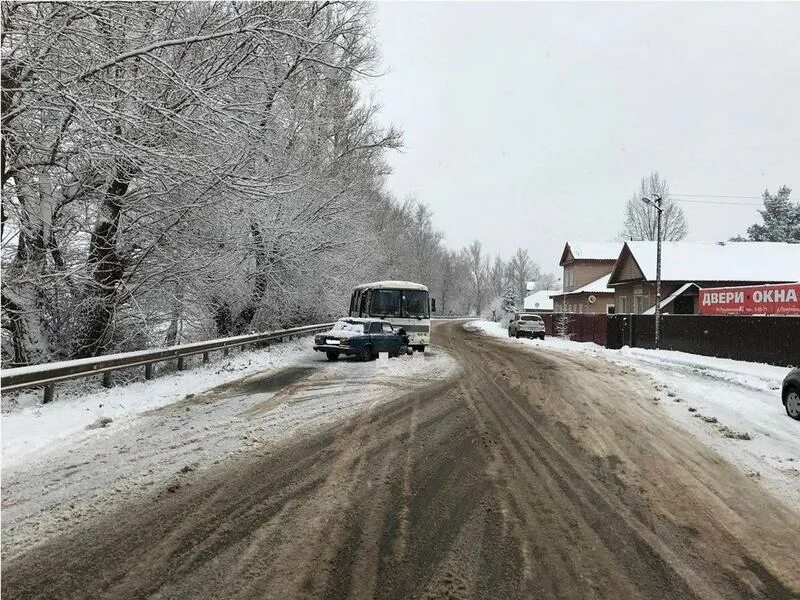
(385, 303)
(363, 310)
(415, 304)
(354, 304)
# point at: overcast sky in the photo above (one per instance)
(532, 124)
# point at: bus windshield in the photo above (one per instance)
(399, 303)
(385, 303)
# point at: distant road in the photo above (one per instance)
(526, 475)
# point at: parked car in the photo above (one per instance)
(526, 325)
(364, 338)
(791, 393)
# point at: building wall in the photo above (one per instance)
(625, 295)
(580, 272)
(628, 269)
(579, 303)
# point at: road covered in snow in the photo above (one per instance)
(489, 468)
(731, 406)
(86, 454)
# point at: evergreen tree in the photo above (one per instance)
(509, 303)
(781, 219)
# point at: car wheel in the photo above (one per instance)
(403, 350)
(365, 354)
(332, 355)
(793, 403)
(517, 336)
(541, 337)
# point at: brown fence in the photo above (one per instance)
(581, 327)
(773, 340)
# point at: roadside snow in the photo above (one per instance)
(166, 431)
(720, 401)
(29, 427)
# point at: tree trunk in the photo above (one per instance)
(22, 296)
(105, 268)
(171, 338)
(245, 316)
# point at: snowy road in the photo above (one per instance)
(524, 473)
(718, 400)
(163, 439)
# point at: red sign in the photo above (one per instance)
(780, 299)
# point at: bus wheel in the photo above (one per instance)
(332, 355)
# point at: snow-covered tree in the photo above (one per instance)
(509, 304)
(189, 163)
(563, 325)
(522, 270)
(780, 219)
(641, 220)
(478, 273)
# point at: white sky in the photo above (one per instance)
(532, 124)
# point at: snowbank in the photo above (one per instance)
(29, 427)
(757, 376)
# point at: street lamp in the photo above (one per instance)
(656, 203)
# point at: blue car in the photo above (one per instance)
(363, 338)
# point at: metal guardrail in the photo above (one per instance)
(49, 374)
(454, 318)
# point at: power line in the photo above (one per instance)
(715, 196)
(717, 202)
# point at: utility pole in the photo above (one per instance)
(656, 203)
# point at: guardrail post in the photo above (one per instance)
(49, 393)
(205, 357)
(181, 364)
(107, 380)
(148, 371)
(225, 351)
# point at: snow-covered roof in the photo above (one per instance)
(592, 250)
(400, 285)
(712, 261)
(539, 300)
(670, 298)
(598, 286)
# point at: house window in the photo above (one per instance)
(638, 304)
(623, 304)
(609, 309)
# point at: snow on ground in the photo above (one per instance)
(28, 427)
(165, 431)
(718, 400)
